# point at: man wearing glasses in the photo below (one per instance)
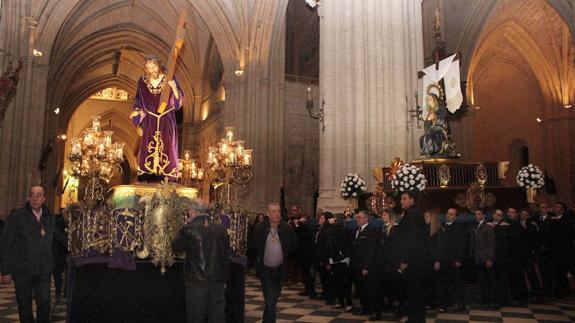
(26, 256)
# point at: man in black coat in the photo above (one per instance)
(208, 252)
(562, 230)
(412, 236)
(502, 257)
(362, 260)
(305, 254)
(26, 256)
(60, 253)
(455, 246)
(483, 252)
(274, 240)
(322, 245)
(544, 246)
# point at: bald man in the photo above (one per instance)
(26, 255)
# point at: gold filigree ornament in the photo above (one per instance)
(157, 161)
(165, 213)
(481, 175)
(444, 175)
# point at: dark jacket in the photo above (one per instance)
(364, 248)
(287, 237)
(387, 253)
(412, 240)
(305, 235)
(23, 249)
(483, 243)
(522, 242)
(455, 243)
(323, 244)
(207, 249)
(502, 246)
(60, 246)
(434, 245)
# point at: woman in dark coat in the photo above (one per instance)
(435, 295)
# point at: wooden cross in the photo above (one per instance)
(171, 65)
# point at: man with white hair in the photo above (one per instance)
(207, 249)
(273, 240)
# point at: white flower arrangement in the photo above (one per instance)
(408, 178)
(312, 3)
(530, 176)
(352, 186)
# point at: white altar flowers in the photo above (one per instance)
(352, 186)
(408, 178)
(530, 176)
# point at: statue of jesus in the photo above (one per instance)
(158, 155)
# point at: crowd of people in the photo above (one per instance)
(407, 262)
(402, 261)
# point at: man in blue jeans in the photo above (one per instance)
(274, 240)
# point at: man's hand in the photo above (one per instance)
(402, 266)
(364, 272)
(457, 264)
(137, 113)
(7, 279)
(488, 264)
(437, 266)
(173, 85)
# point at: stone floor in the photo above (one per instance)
(294, 308)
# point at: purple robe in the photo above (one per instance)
(148, 100)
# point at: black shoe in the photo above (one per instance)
(375, 317)
(359, 312)
(320, 297)
(302, 293)
(313, 296)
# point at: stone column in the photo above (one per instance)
(370, 53)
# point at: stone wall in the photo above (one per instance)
(301, 148)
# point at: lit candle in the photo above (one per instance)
(233, 157)
(96, 124)
(309, 93)
(200, 174)
(230, 135)
(186, 154)
(248, 157)
(108, 139)
(101, 149)
(240, 148)
(224, 148)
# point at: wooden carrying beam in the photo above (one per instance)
(171, 65)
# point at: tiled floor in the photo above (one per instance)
(294, 308)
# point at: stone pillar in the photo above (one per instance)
(370, 53)
(22, 131)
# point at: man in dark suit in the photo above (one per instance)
(305, 254)
(518, 252)
(483, 253)
(502, 256)
(455, 246)
(412, 236)
(26, 256)
(362, 257)
(274, 240)
(562, 231)
(544, 246)
(60, 252)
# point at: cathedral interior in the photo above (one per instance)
(317, 89)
